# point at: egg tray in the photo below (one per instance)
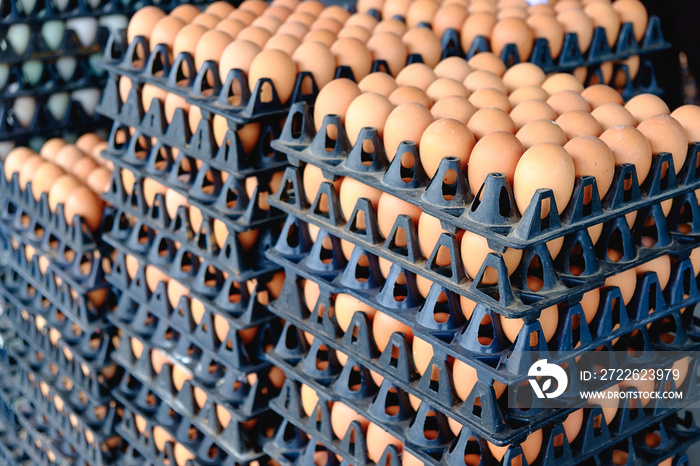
(494, 420)
(203, 189)
(229, 157)
(443, 449)
(44, 124)
(493, 212)
(571, 56)
(50, 82)
(11, 452)
(645, 82)
(139, 387)
(510, 296)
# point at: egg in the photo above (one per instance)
(666, 134)
(474, 249)
(50, 148)
(345, 308)
(604, 15)
(367, 110)
(278, 67)
(575, 20)
(531, 110)
(577, 123)
(383, 326)
(334, 99)
(489, 97)
(82, 168)
(512, 31)
(207, 20)
(301, 32)
(24, 109)
(488, 61)
(626, 281)
(28, 170)
(489, 120)
(410, 94)
(87, 142)
(61, 189)
(99, 180)
(453, 68)
(44, 177)
(454, 107)
(317, 59)
(283, 42)
(15, 160)
(378, 440)
(309, 399)
(242, 15)
(561, 81)
(188, 38)
(83, 202)
(629, 145)
(481, 79)
(142, 22)
(210, 46)
(165, 31)
(354, 54)
(448, 16)
(566, 101)
(644, 106)
(416, 74)
(609, 404)
(547, 27)
(522, 75)
(445, 138)
(549, 319)
(477, 24)
(388, 209)
(341, 418)
(541, 131)
(379, 82)
(406, 122)
(633, 11)
(238, 54)
(477, 6)
(356, 32)
(482, 162)
(689, 117)
(391, 25)
(429, 232)
(185, 12)
(544, 166)
(350, 191)
(530, 447)
(611, 115)
(423, 42)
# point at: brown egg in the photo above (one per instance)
(406, 122)
(278, 67)
(254, 6)
(575, 20)
(364, 20)
(488, 61)
(633, 11)
(407, 94)
(301, 32)
(416, 74)
(605, 16)
(391, 25)
(531, 110)
(666, 134)
(489, 120)
(389, 47)
(378, 440)
(512, 31)
(445, 87)
(600, 94)
(388, 209)
(611, 115)
(476, 6)
(238, 54)
(68, 156)
(283, 42)
(220, 9)
(429, 231)
(577, 123)
(480, 79)
(541, 131)
(48, 149)
(626, 281)
(210, 47)
(185, 12)
(547, 27)
(455, 107)
(566, 101)
(530, 447)
(321, 35)
(381, 83)
(482, 162)
(527, 93)
(541, 8)
(61, 189)
(165, 31)
(445, 138)
(549, 319)
(244, 16)
(644, 106)
(476, 24)
(187, 39)
(278, 12)
(369, 109)
(592, 157)
(341, 418)
(309, 399)
(363, 6)
(345, 308)
(661, 265)
(350, 191)
(422, 354)
(44, 177)
(141, 23)
(609, 404)
(85, 203)
(268, 23)
(335, 98)
(28, 170)
(522, 75)
(544, 166)
(355, 32)
(421, 11)
(83, 167)
(328, 24)
(172, 103)
(448, 16)
(513, 12)
(489, 97)
(474, 250)
(255, 34)
(353, 54)
(424, 42)
(689, 117)
(87, 142)
(16, 159)
(335, 12)
(560, 82)
(454, 68)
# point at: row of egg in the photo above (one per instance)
(40, 8)
(24, 109)
(32, 72)
(74, 175)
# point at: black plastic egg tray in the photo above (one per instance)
(177, 412)
(230, 157)
(51, 81)
(203, 187)
(491, 212)
(44, 124)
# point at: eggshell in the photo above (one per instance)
(429, 232)
(522, 75)
(476, 6)
(406, 122)
(476, 24)
(254, 6)
(87, 142)
(317, 59)
(547, 27)
(530, 447)
(367, 110)
(278, 67)
(277, 12)
(560, 82)
(661, 265)
(608, 404)
(83, 167)
(16, 159)
(481, 79)
(379, 82)
(44, 177)
(141, 23)
(335, 98)
(383, 326)
(577, 123)
(424, 42)
(666, 134)
(512, 31)
(549, 319)
(445, 138)
(391, 25)
(489, 97)
(165, 31)
(83, 202)
(592, 157)
(187, 39)
(207, 20)
(388, 209)
(48, 150)
(28, 170)
(61, 189)
(238, 54)
(488, 61)
(353, 54)
(455, 107)
(328, 24)
(448, 16)
(644, 106)
(600, 94)
(482, 162)
(454, 68)
(416, 74)
(341, 418)
(604, 15)
(378, 440)
(544, 166)
(185, 12)
(689, 117)
(611, 115)
(566, 101)
(283, 42)
(489, 120)
(244, 16)
(541, 131)
(575, 20)
(255, 34)
(474, 250)
(421, 11)
(629, 145)
(626, 281)
(409, 94)
(345, 308)
(309, 399)
(350, 191)
(633, 11)
(356, 32)
(531, 110)
(301, 32)
(445, 87)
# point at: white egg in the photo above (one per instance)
(114, 22)
(94, 61)
(85, 28)
(4, 73)
(88, 98)
(32, 71)
(61, 4)
(27, 6)
(52, 32)
(66, 67)
(58, 104)
(18, 37)
(23, 110)
(93, 3)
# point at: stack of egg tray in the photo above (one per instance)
(55, 300)
(220, 414)
(52, 56)
(654, 316)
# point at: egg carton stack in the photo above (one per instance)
(54, 300)
(387, 324)
(192, 227)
